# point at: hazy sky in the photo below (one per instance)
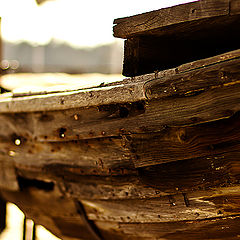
(78, 22)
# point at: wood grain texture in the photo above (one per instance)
(175, 144)
(45, 208)
(132, 89)
(197, 77)
(8, 176)
(127, 27)
(193, 174)
(166, 38)
(117, 120)
(70, 226)
(206, 204)
(100, 155)
(181, 207)
(160, 180)
(207, 93)
(226, 228)
(127, 187)
(204, 173)
(165, 166)
(90, 187)
(73, 99)
(131, 57)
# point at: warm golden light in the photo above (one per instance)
(80, 23)
(15, 224)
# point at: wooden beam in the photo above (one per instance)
(204, 77)
(146, 54)
(166, 38)
(226, 228)
(133, 89)
(192, 108)
(182, 207)
(94, 156)
(175, 144)
(190, 211)
(147, 22)
(208, 172)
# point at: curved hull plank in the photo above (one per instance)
(150, 157)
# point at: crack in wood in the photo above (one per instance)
(92, 228)
(186, 200)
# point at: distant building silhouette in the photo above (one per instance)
(60, 57)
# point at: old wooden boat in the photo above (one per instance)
(154, 156)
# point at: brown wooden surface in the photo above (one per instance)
(166, 38)
(199, 92)
(115, 120)
(146, 54)
(148, 23)
(180, 207)
(8, 179)
(162, 166)
(174, 144)
(207, 229)
(96, 154)
(188, 77)
(134, 219)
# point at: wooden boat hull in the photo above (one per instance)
(154, 156)
(162, 166)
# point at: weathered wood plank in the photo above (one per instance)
(190, 175)
(94, 156)
(46, 208)
(65, 225)
(133, 86)
(129, 187)
(206, 75)
(129, 26)
(8, 177)
(145, 54)
(198, 152)
(174, 144)
(147, 182)
(159, 180)
(181, 207)
(48, 215)
(159, 40)
(119, 116)
(116, 120)
(73, 99)
(75, 185)
(226, 228)
(202, 63)
(199, 205)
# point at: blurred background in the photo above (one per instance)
(70, 36)
(61, 36)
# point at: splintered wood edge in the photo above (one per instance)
(143, 23)
(73, 99)
(129, 90)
